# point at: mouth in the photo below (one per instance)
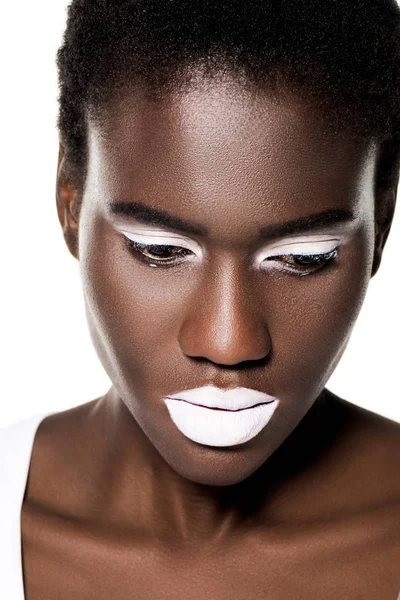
(226, 400)
(226, 409)
(218, 426)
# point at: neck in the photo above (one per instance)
(146, 493)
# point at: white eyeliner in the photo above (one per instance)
(160, 240)
(299, 246)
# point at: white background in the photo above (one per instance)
(47, 359)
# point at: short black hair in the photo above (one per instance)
(344, 54)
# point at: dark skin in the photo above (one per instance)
(119, 503)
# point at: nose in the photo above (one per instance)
(224, 321)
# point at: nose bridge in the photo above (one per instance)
(224, 321)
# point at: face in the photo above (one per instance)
(225, 241)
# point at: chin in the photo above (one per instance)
(216, 466)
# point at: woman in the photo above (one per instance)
(227, 180)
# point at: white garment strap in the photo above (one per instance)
(16, 443)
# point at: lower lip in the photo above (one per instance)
(219, 427)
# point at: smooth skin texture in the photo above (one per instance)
(119, 503)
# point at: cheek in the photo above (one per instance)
(312, 326)
(133, 310)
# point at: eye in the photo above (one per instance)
(168, 255)
(158, 254)
(303, 264)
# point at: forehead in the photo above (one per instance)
(220, 145)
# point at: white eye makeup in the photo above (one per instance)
(153, 246)
(300, 255)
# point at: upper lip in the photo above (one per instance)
(230, 399)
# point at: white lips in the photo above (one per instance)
(245, 413)
(214, 397)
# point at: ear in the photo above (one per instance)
(383, 223)
(68, 203)
(386, 182)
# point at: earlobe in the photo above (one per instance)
(67, 206)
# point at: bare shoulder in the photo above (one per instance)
(64, 424)
(370, 452)
(61, 450)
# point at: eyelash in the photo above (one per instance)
(316, 260)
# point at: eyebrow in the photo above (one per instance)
(151, 215)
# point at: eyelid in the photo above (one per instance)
(163, 239)
(297, 245)
(304, 247)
